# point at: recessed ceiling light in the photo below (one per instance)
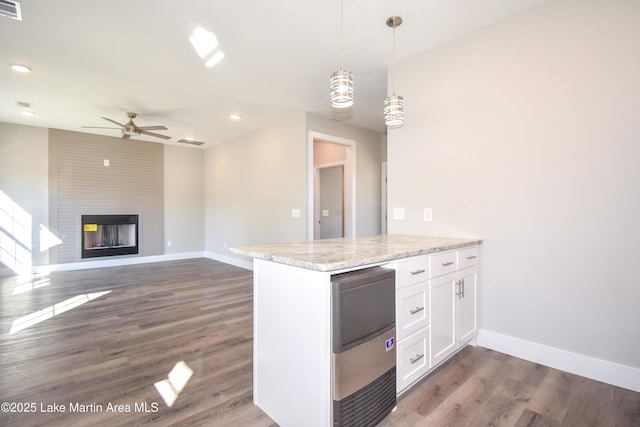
(235, 116)
(28, 113)
(20, 68)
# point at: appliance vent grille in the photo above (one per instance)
(189, 141)
(11, 9)
(369, 405)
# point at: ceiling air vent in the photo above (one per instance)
(23, 104)
(11, 9)
(190, 141)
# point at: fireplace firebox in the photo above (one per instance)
(108, 235)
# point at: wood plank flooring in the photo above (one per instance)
(114, 348)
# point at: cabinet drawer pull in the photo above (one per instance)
(415, 359)
(417, 310)
(446, 264)
(472, 257)
(414, 272)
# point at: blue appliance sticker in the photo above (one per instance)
(389, 343)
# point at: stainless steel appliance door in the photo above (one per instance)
(359, 366)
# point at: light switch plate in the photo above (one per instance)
(428, 214)
(296, 213)
(398, 213)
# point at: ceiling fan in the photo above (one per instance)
(130, 129)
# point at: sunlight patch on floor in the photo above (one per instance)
(53, 310)
(170, 388)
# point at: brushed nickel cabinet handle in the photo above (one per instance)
(415, 359)
(446, 264)
(417, 310)
(462, 288)
(414, 272)
(472, 257)
(459, 288)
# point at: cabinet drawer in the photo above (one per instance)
(468, 257)
(412, 271)
(412, 309)
(413, 358)
(443, 263)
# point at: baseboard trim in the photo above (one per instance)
(247, 265)
(114, 262)
(578, 364)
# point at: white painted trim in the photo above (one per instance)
(113, 262)
(589, 367)
(247, 265)
(349, 182)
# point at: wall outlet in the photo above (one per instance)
(398, 213)
(169, 243)
(428, 214)
(296, 213)
(106, 162)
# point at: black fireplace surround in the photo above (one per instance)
(109, 235)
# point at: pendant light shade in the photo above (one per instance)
(394, 111)
(341, 86)
(394, 104)
(341, 83)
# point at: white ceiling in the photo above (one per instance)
(93, 59)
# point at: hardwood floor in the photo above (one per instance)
(86, 351)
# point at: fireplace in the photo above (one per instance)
(108, 235)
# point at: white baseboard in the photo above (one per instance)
(247, 265)
(578, 364)
(114, 262)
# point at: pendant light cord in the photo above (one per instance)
(341, 33)
(393, 62)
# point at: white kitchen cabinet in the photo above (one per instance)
(412, 309)
(412, 359)
(443, 314)
(446, 282)
(466, 310)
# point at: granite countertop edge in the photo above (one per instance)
(279, 252)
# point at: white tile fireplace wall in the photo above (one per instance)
(96, 175)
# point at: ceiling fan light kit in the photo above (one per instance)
(130, 129)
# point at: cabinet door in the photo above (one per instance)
(412, 309)
(443, 331)
(467, 305)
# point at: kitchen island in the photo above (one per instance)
(292, 312)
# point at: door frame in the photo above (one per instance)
(349, 182)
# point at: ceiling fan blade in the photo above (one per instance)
(126, 136)
(160, 127)
(98, 127)
(157, 135)
(113, 121)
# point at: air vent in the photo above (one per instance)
(11, 9)
(190, 141)
(23, 104)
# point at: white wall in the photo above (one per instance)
(24, 179)
(184, 199)
(527, 134)
(251, 185)
(368, 160)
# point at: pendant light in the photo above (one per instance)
(394, 104)
(341, 83)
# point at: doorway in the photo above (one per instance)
(331, 187)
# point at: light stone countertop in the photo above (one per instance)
(349, 252)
